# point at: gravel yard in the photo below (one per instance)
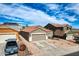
(55, 47)
(62, 43)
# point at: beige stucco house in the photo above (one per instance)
(35, 33)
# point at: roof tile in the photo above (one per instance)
(32, 28)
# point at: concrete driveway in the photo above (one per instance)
(3, 43)
(2, 52)
(2, 46)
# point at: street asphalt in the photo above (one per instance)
(73, 54)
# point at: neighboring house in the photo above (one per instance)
(59, 30)
(14, 26)
(70, 37)
(72, 34)
(35, 33)
(7, 33)
(75, 31)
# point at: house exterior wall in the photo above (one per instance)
(66, 29)
(70, 37)
(25, 35)
(30, 37)
(39, 31)
(49, 34)
(59, 32)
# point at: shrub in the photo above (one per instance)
(22, 47)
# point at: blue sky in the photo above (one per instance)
(40, 13)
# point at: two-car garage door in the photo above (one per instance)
(36, 37)
(5, 37)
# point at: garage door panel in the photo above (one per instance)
(36, 37)
(5, 37)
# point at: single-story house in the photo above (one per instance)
(59, 30)
(7, 33)
(35, 33)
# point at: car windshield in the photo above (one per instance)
(12, 43)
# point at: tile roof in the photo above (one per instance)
(33, 28)
(6, 30)
(15, 27)
(59, 25)
(3, 26)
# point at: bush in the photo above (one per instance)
(22, 47)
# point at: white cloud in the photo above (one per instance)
(59, 21)
(71, 18)
(74, 7)
(52, 6)
(36, 16)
